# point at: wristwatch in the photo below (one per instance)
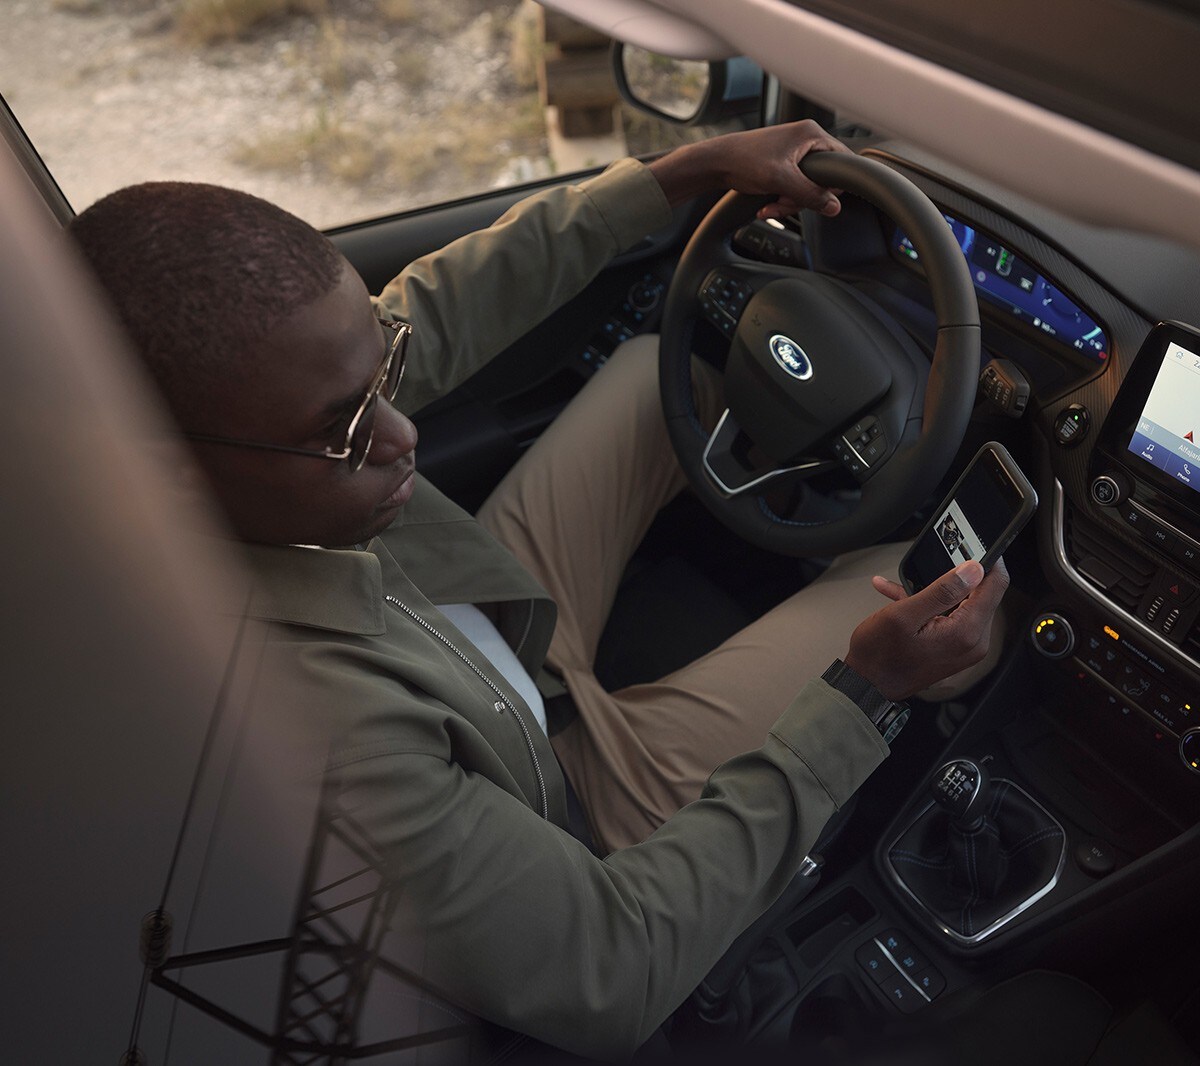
(888, 716)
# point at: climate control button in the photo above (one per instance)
(1053, 636)
(1189, 750)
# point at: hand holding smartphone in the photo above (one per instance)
(987, 507)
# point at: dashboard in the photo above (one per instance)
(1109, 437)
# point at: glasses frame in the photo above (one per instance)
(397, 350)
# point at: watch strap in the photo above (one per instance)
(886, 715)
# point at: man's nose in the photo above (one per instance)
(395, 435)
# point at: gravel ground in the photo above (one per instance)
(111, 98)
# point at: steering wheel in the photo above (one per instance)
(818, 375)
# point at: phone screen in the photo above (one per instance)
(968, 524)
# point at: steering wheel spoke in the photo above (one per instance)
(734, 465)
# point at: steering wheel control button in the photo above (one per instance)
(861, 446)
(874, 961)
(1053, 636)
(1071, 425)
(1110, 489)
(723, 299)
(1094, 857)
(849, 457)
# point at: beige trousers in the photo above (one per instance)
(573, 511)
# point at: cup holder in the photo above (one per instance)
(833, 1019)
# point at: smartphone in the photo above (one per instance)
(988, 506)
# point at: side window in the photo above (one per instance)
(338, 110)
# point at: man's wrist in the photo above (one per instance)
(886, 715)
(687, 171)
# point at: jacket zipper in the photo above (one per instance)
(502, 703)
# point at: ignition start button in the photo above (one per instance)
(1071, 425)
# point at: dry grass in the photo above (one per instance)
(79, 7)
(335, 60)
(327, 147)
(397, 12)
(460, 149)
(525, 45)
(212, 21)
(412, 68)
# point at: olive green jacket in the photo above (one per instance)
(509, 915)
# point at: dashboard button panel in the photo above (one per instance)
(1137, 684)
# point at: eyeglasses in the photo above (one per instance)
(361, 431)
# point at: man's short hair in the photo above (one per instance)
(198, 274)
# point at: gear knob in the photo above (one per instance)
(960, 788)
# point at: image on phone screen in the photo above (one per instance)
(976, 522)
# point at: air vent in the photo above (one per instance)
(1123, 573)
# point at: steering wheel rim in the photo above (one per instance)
(922, 455)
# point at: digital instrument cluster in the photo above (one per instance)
(1007, 281)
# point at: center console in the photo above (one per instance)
(1088, 837)
(1143, 648)
(1093, 727)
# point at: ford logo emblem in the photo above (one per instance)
(789, 355)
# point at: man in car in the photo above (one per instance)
(406, 631)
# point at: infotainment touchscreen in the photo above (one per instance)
(1166, 432)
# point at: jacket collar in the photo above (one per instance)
(338, 590)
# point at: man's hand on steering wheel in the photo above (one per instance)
(913, 642)
(760, 162)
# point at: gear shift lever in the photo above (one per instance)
(979, 852)
(961, 789)
(977, 864)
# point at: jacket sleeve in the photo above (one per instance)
(472, 299)
(519, 923)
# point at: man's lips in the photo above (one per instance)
(403, 492)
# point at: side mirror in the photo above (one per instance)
(686, 92)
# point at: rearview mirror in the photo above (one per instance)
(686, 92)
